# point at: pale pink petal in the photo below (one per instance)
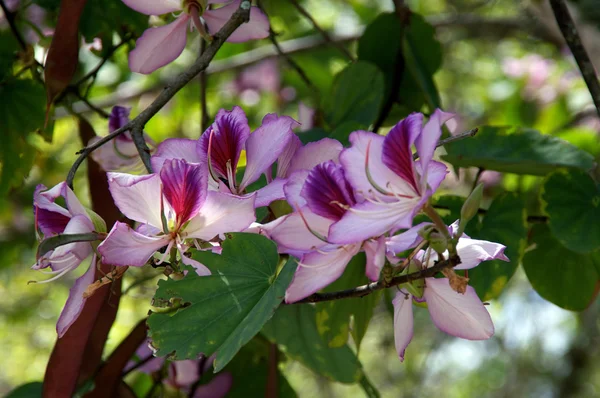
(116, 155)
(293, 188)
(124, 246)
(221, 213)
(406, 240)
(264, 146)
(436, 173)
(460, 315)
(315, 153)
(73, 204)
(354, 158)
(75, 301)
(154, 7)
(432, 131)
(77, 225)
(287, 156)
(198, 266)
(138, 197)
(293, 233)
(256, 28)
(368, 220)
(474, 251)
(403, 322)
(270, 192)
(183, 373)
(159, 46)
(177, 148)
(317, 270)
(218, 387)
(375, 251)
(306, 116)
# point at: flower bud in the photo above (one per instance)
(438, 242)
(470, 208)
(99, 223)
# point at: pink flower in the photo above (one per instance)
(52, 219)
(391, 187)
(160, 46)
(174, 208)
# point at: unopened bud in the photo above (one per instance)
(417, 286)
(470, 208)
(438, 242)
(99, 223)
(426, 231)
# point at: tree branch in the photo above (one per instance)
(136, 125)
(569, 31)
(365, 290)
(10, 18)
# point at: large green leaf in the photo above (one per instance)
(516, 150)
(563, 277)
(572, 200)
(221, 312)
(101, 18)
(294, 327)
(505, 222)
(29, 390)
(333, 317)
(8, 51)
(356, 95)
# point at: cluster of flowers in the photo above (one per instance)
(344, 201)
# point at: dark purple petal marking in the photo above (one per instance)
(119, 116)
(397, 154)
(231, 131)
(327, 192)
(49, 222)
(185, 187)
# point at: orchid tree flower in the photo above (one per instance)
(51, 219)
(391, 187)
(120, 154)
(174, 208)
(320, 199)
(458, 314)
(159, 46)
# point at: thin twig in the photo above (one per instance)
(10, 18)
(323, 32)
(137, 133)
(106, 57)
(203, 87)
(241, 15)
(480, 171)
(365, 290)
(569, 31)
(82, 98)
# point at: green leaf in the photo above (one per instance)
(60, 240)
(505, 222)
(516, 150)
(572, 201)
(294, 327)
(448, 206)
(356, 95)
(333, 317)
(29, 390)
(563, 277)
(221, 312)
(314, 134)
(342, 132)
(102, 17)
(8, 50)
(22, 111)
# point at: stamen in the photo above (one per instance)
(368, 173)
(230, 177)
(166, 253)
(315, 233)
(209, 158)
(59, 274)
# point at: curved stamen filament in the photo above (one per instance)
(209, 157)
(60, 273)
(312, 231)
(370, 177)
(166, 253)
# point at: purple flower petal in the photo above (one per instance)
(474, 251)
(315, 153)
(270, 192)
(264, 146)
(154, 7)
(397, 154)
(375, 251)
(229, 134)
(119, 117)
(256, 28)
(293, 188)
(317, 270)
(183, 373)
(218, 387)
(185, 187)
(124, 246)
(138, 197)
(403, 322)
(432, 131)
(177, 148)
(460, 315)
(406, 240)
(327, 192)
(293, 233)
(287, 155)
(159, 46)
(75, 301)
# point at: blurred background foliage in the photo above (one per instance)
(503, 64)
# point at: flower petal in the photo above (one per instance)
(461, 315)
(77, 225)
(153, 7)
(293, 234)
(222, 213)
(75, 301)
(293, 188)
(124, 246)
(200, 268)
(218, 387)
(427, 141)
(264, 146)
(270, 192)
(185, 186)
(138, 197)
(314, 153)
(327, 192)
(287, 155)
(256, 28)
(406, 240)
(183, 373)
(306, 116)
(375, 251)
(230, 132)
(177, 148)
(317, 270)
(403, 322)
(474, 251)
(159, 46)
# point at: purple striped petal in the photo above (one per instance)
(119, 117)
(229, 134)
(403, 322)
(138, 197)
(460, 315)
(397, 153)
(326, 191)
(184, 186)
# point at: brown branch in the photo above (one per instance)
(94, 72)
(203, 87)
(365, 290)
(137, 133)
(323, 32)
(136, 125)
(569, 31)
(10, 18)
